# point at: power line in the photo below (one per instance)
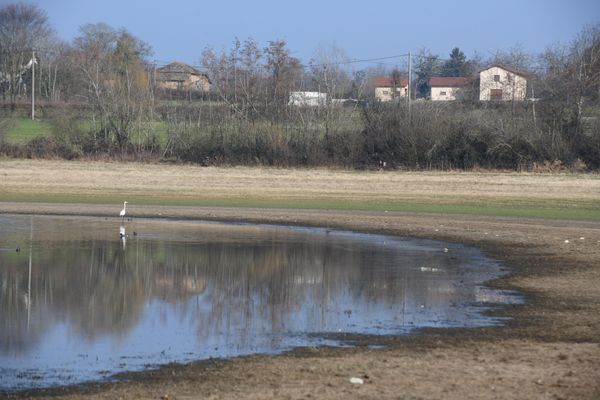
(354, 61)
(310, 65)
(375, 60)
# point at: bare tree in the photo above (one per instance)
(516, 57)
(329, 69)
(284, 74)
(112, 66)
(252, 74)
(585, 67)
(572, 77)
(237, 76)
(23, 28)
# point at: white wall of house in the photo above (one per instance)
(496, 83)
(311, 99)
(441, 93)
(385, 93)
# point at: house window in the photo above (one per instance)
(442, 93)
(386, 92)
(496, 78)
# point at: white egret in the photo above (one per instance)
(123, 211)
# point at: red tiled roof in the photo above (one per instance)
(386, 81)
(448, 81)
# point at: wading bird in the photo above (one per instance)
(123, 211)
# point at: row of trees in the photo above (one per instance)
(103, 70)
(101, 99)
(22, 28)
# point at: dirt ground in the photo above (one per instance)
(550, 349)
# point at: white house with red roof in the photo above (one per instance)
(447, 88)
(388, 88)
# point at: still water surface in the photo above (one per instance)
(78, 302)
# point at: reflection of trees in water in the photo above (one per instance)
(93, 291)
(13, 309)
(101, 294)
(98, 288)
(260, 283)
(95, 287)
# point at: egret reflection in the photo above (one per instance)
(123, 236)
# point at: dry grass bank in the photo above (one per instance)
(152, 183)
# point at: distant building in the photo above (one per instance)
(310, 99)
(178, 76)
(448, 88)
(387, 89)
(500, 83)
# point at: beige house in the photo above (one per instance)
(387, 89)
(448, 88)
(180, 76)
(500, 83)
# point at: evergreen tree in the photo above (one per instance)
(457, 65)
(427, 65)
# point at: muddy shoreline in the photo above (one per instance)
(549, 349)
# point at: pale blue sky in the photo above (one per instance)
(179, 30)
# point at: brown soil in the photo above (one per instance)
(550, 349)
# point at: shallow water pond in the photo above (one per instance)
(85, 298)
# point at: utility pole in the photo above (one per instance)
(533, 100)
(32, 84)
(409, 83)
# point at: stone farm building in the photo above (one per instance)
(501, 83)
(178, 76)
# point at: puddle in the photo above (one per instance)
(86, 298)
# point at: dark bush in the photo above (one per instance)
(43, 147)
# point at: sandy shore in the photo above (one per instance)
(550, 349)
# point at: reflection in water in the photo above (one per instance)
(180, 291)
(28, 298)
(123, 236)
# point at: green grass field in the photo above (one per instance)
(582, 212)
(22, 130)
